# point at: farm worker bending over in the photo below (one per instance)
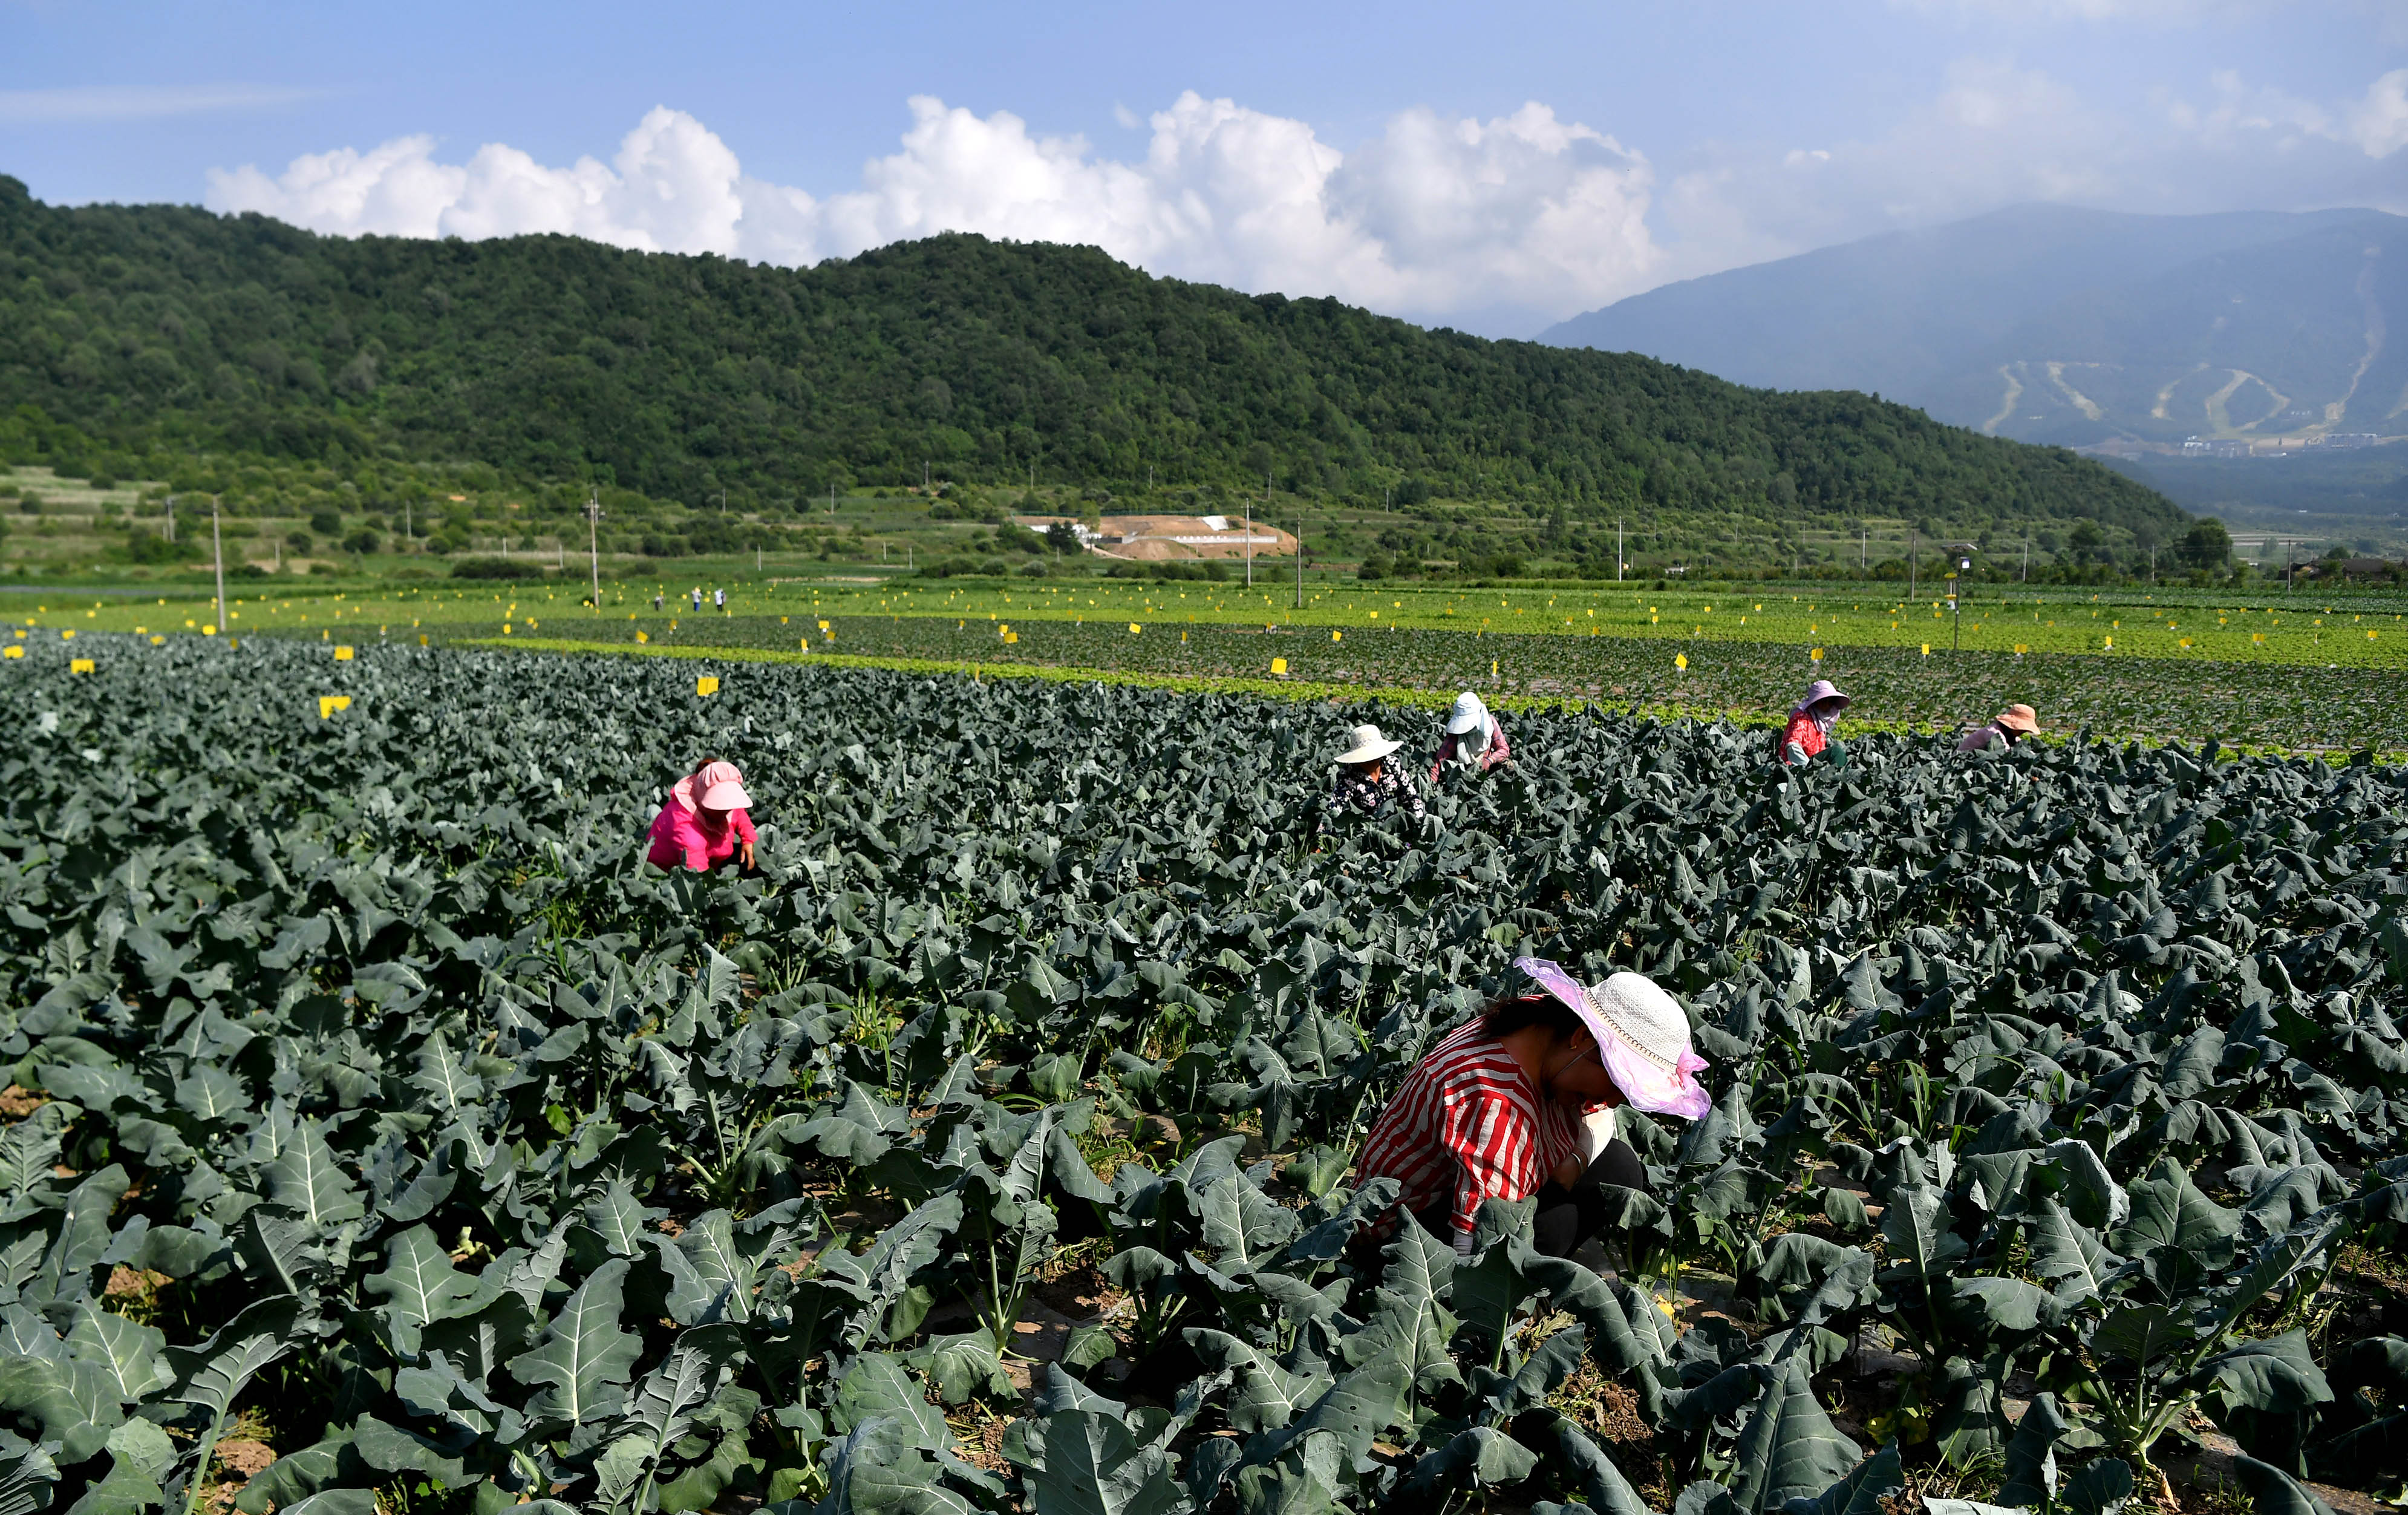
(1368, 787)
(706, 821)
(1474, 741)
(2007, 728)
(1809, 732)
(1520, 1102)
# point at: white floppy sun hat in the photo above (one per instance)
(1642, 1036)
(1468, 717)
(1369, 744)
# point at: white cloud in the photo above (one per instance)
(1517, 219)
(1997, 132)
(2043, 13)
(2239, 115)
(139, 102)
(2379, 122)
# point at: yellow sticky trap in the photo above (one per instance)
(12, 650)
(67, 635)
(505, 629)
(1011, 638)
(802, 643)
(1814, 655)
(823, 626)
(1279, 665)
(2020, 649)
(1492, 668)
(642, 637)
(209, 631)
(158, 642)
(2111, 644)
(1134, 628)
(1338, 636)
(706, 684)
(328, 704)
(79, 665)
(342, 654)
(1681, 661)
(422, 642)
(1926, 649)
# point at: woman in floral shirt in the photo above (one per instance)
(1368, 787)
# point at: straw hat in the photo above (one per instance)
(1818, 691)
(1642, 1036)
(1369, 745)
(1468, 715)
(2020, 718)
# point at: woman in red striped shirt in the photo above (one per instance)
(1520, 1102)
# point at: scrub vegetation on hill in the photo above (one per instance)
(131, 330)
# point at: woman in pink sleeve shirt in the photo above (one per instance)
(705, 822)
(1474, 741)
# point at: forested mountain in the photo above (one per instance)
(550, 358)
(2058, 324)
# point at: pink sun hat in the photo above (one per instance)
(720, 786)
(1642, 1033)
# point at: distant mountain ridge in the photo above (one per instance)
(2058, 324)
(686, 377)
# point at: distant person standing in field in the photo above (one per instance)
(697, 600)
(656, 604)
(707, 821)
(719, 601)
(1520, 1102)
(1474, 743)
(1367, 785)
(1809, 732)
(2003, 731)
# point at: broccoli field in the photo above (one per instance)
(382, 1135)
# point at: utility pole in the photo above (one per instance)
(217, 544)
(924, 475)
(405, 520)
(1913, 559)
(1251, 531)
(723, 502)
(831, 496)
(171, 517)
(594, 542)
(2027, 560)
(1864, 547)
(1619, 558)
(1300, 562)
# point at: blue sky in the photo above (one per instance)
(1493, 166)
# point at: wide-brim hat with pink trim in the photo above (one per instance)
(720, 786)
(1641, 1034)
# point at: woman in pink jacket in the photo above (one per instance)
(1474, 741)
(705, 822)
